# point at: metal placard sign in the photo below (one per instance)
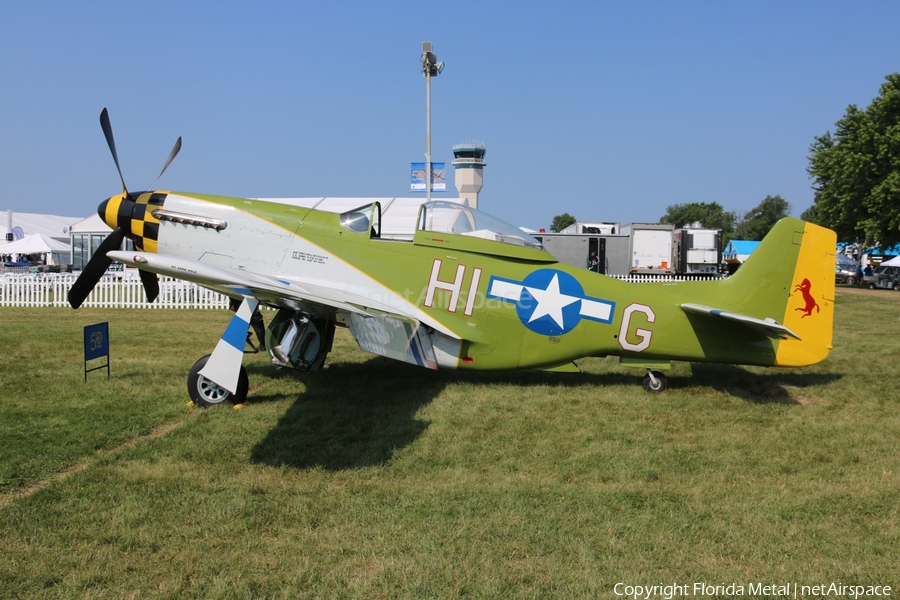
(96, 345)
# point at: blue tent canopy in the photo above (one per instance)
(893, 250)
(738, 248)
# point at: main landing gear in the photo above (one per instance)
(206, 393)
(654, 381)
(295, 340)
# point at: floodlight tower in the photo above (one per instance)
(430, 68)
(468, 160)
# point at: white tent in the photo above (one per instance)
(894, 262)
(91, 224)
(36, 243)
(51, 226)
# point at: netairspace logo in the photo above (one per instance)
(769, 590)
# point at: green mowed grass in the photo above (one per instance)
(375, 479)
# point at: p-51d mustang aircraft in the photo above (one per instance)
(459, 290)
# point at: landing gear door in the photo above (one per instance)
(394, 338)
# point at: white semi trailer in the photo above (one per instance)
(698, 251)
(651, 248)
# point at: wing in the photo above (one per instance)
(384, 330)
(230, 282)
(768, 327)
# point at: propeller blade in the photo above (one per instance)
(151, 284)
(95, 268)
(111, 142)
(175, 150)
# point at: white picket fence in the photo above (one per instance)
(120, 290)
(658, 278)
(124, 290)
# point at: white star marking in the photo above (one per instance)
(550, 302)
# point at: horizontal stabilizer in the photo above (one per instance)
(768, 327)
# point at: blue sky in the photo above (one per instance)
(610, 111)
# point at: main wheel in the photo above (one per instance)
(660, 385)
(851, 280)
(871, 286)
(206, 393)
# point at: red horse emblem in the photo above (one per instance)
(808, 301)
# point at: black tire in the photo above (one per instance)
(897, 286)
(851, 281)
(205, 393)
(871, 286)
(661, 383)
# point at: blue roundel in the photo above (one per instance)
(550, 302)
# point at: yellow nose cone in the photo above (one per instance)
(109, 210)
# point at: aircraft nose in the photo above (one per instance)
(110, 211)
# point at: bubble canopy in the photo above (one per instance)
(453, 218)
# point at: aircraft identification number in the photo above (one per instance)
(644, 335)
(454, 287)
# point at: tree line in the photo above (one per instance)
(856, 183)
(751, 225)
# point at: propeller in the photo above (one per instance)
(151, 284)
(95, 268)
(125, 204)
(175, 150)
(111, 142)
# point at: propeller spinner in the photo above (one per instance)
(130, 215)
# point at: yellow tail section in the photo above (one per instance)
(810, 308)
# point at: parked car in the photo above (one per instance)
(884, 278)
(847, 274)
(847, 271)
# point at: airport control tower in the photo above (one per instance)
(468, 160)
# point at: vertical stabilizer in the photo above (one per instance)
(790, 278)
(810, 310)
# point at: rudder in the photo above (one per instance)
(810, 309)
(789, 277)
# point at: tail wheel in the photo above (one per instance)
(654, 381)
(207, 393)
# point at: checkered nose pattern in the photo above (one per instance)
(133, 213)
